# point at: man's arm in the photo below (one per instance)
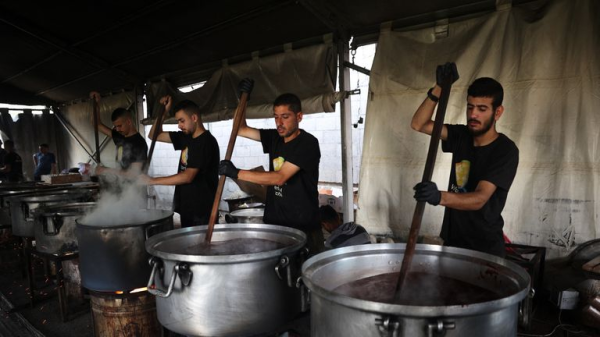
(6, 168)
(248, 132)
(181, 178)
(35, 162)
(101, 127)
(422, 119)
(271, 178)
(471, 201)
(164, 137)
(53, 170)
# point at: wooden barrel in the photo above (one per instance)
(130, 315)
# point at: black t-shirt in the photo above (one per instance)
(130, 149)
(16, 167)
(496, 163)
(202, 153)
(296, 203)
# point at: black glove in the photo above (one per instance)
(245, 85)
(444, 71)
(226, 168)
(427, 191)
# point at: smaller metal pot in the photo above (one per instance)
(249, 215)
(236, 203)
(55, 226)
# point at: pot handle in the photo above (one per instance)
(152, 288)
(284, 262)
(147, 230)
(57, 222)
(304, 295)
(439, 327)
(230, 218)
(25, 209)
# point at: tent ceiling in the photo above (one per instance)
(56, 52)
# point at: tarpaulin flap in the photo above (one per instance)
(552, 93)
(310, 73)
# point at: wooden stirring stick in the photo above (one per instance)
(447, 80)
(237, 120)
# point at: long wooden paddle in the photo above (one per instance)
(96, 113)
(446, 84)
(237, 120)
(161, 113)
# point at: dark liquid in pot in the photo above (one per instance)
(234, 247)
(419, 289)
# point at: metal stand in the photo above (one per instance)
(532, 259)
(65, 312)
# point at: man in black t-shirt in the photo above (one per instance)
(484, 164)
(131, 146)
(292, 194)
(196, 179)
(13, 164)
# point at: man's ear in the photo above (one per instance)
(299, 116)
(499, 112)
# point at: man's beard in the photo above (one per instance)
(486, 127)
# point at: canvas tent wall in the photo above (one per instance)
(546, 58)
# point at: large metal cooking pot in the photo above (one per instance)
(13, 190)
(336, 314)
(55, 226)
(22, 207)
(113, 256)
(226, 295)
(246, 215)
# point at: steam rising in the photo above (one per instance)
(122, 202)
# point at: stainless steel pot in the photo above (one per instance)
(226, 295)
(248, 215)
(22, 207)
(14, 190)
(55, 226)
(235, 203)
(335, 314)
(113, 257)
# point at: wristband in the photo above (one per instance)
(431, 96)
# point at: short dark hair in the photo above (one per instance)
(189, 107)
(487, 87)
(328, 214)
(120, 112)
(291, 100)
(44, 145)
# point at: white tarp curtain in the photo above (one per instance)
(547, 60)
(78, 117)
(308, 72)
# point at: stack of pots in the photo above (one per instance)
(22, 207)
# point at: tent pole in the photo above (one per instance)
(346, 128)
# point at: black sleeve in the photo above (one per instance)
(202, 154)
(502, 169)
(266, 138)
(455, 133)
(140, 150)
(306, 155)
(177, 140)
(116, 137)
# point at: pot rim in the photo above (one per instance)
(65, 209)
(167, 214)
(155, 240)
(312, 264)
